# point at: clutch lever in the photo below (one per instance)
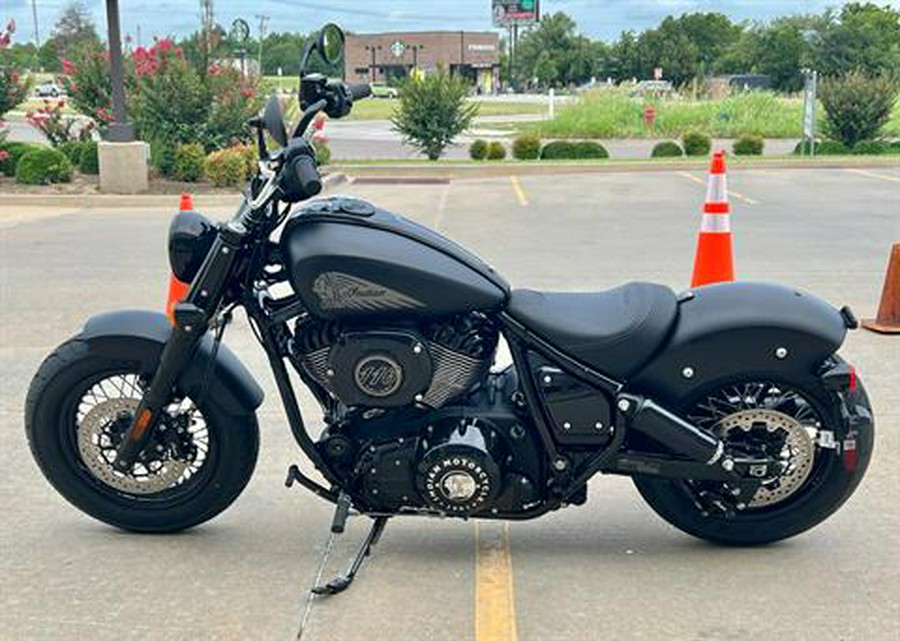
(308, 116)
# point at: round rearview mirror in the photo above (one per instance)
(331, 44)
(273, 121)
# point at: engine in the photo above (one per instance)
(411, 430)
(395, 367)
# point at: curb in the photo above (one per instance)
(165, 202)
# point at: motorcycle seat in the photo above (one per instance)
(614, 331)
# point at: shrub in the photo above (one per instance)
(162, 157)
(831, 148)
(567, 150)
(169, 99)
(749, 145)
(226, 168)
(871, 148)
(72, 150)
(14, 152)
(667, 149)
(590, 149)
(696, 144)
(57, 127)
(89, 163)
(43, 166)
(323, 151)
(250, 156)
(478, 150)
(13, 89)
(496, 150)
(189, 161)
(526, 147)
(857, 106)
(432, 111)
(894, 147)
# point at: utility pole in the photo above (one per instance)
(37, 35)
(263, 23)
(208, 19)
(120, 130)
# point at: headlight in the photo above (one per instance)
(190, 237)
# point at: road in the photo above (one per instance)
(608, 570)
(375, 139)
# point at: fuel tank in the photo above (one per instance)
(348, 259)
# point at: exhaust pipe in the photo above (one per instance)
(664, 427)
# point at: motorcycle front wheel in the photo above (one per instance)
(78, 407)
(763, 416)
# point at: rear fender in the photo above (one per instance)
(728, 329)
(140, 336)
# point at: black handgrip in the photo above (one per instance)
(360, 91)
(307, 176)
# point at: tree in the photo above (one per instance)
(685, 47)
(857, 106)
(862, 36)
(73, 30)
(554, 46)
(433, 111)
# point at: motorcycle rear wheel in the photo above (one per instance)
(827, 485)
(76, 410)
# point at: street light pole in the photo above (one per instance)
(37, 35)
(120, 130)
(373, 49)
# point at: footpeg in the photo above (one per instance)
(341, 583)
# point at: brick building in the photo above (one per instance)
(383, 57)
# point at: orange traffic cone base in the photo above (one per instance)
(888, 319)
(873, 325)
(714, 262)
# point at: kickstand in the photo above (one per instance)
(343, 582)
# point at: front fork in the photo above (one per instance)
(191, 320)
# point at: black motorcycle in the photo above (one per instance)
(727, 405)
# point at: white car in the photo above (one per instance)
(48, 90)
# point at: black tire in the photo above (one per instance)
(50, 425)
(829, 485)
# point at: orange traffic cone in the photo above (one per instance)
(177, 289)
(888, 320)
(714, 262)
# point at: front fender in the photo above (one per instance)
(140, 335)
(728, 329)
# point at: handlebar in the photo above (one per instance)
(307, 175)
(360, 91)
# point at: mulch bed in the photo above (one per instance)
(88, 185)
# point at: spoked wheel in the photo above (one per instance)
(78, 409)
(793, 423)
(173, 461)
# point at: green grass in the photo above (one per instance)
(613, 114)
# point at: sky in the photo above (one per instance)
(598, 19)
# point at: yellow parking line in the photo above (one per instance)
(520, 193)
(872, 174)
(495, 607)
(731, 192)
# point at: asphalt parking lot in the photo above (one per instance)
(608, 570)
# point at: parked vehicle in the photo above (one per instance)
(48, 90)
(384, 91)
(728, 405)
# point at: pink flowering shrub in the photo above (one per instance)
(57, 127)
(13, 87)
(171, 101)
